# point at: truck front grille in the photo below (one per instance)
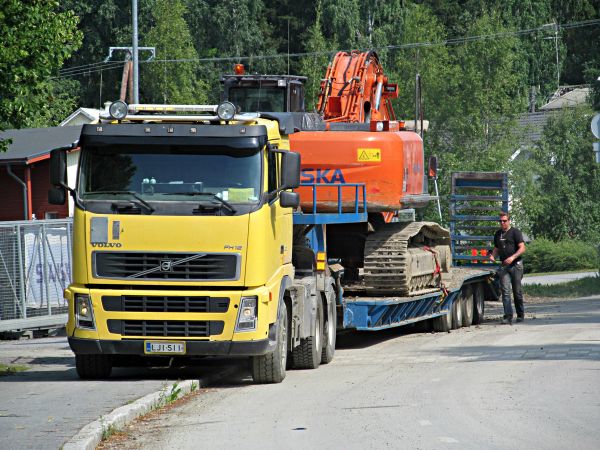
(165, 303)
(166, 266)
(166, 328)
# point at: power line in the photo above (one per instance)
(88, 69)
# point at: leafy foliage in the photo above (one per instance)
(37, 39)
(558, 184)
(544, 255)
(167, 82)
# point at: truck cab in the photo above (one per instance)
(182, 239)
(264, 93)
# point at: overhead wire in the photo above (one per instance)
(110, 65)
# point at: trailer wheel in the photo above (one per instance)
(457, 315)
(93, 367)
(478, 304)
(442, 323)
(270, 368)
(308, 354)
(329, 335)
(466, 300)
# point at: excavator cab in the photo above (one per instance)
(264, 93)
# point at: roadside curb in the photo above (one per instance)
(90, 435)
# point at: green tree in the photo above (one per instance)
(37, 39)
(556, 187)
(489, 91)
(174, 82)
(104, 24)
(314, 66)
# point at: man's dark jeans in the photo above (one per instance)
(512, 275)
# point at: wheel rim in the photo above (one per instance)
(283, 344)
(330, 332)
(318, 330)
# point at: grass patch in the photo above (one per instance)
(10, 369)
(583, 287)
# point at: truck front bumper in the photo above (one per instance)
(193, 348)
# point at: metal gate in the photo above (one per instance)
(35, 268)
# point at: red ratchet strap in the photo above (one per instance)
(438, 270)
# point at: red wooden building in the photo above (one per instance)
(24, 172)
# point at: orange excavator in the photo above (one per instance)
(355, 138)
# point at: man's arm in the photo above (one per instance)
(494, 254)
(519, 252)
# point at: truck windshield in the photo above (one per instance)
(170, 173)
(251, 99)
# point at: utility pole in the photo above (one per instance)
(134, 13)
(129, 77)
(554, 26)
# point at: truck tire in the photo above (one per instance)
(329, 335)
(442, 323)
(93, 367)
(466, 300)
(457, 316)
(478, 304)
(308, 354)
(270, 368)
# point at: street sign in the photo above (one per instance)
(596, 126)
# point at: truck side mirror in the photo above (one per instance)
(58, 167)
(433, 166)
(57, 196)
(290, 170)
(289, 199)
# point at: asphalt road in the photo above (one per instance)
(532, 385)
(557, 277)
(46, 405)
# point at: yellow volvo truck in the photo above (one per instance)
(182, 244)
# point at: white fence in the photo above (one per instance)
(35, 267)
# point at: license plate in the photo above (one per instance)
(164, 348)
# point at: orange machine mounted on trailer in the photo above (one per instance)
(356, 138)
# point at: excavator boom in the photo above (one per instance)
(355, 89)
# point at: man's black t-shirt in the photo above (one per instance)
(507, 242)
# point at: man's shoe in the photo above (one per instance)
(507, 321)
(520, 319)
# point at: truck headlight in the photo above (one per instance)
(226, 111)
(84, 315)
(118, 110)
(247, 315)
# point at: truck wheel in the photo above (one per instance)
(93, 367)
(308, 354)
(466, 300)
(457, 316)
(329, 336)
(478, 304)
(442, 323)
(270, 368)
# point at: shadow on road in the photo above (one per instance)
(553, 352)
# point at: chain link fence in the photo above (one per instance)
(35, 268)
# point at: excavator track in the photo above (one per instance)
(402, 258)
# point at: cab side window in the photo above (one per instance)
(273, 172)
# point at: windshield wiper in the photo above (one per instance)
(132, 193)
(225, 203)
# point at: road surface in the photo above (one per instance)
(532, 385)
(46, 405)
(557, 277)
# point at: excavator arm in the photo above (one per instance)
(355, 89)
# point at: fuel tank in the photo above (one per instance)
(390, 163)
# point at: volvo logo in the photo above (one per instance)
(166, 265)
(107, 244)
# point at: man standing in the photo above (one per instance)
(509, 246)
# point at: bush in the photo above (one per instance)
(543, 255)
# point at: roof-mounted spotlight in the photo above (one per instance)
(118, 110)
(226, 111)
